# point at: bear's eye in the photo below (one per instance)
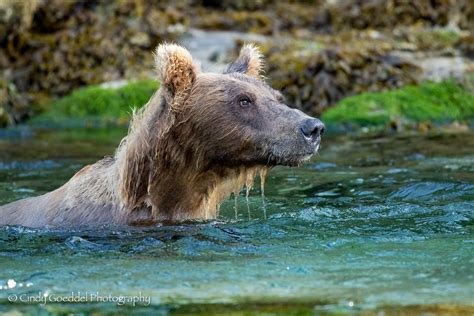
(245, 102)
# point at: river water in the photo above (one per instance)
(372, 224)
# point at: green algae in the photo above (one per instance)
(434, 102)
(96, 103)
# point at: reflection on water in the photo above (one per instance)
(371, 224)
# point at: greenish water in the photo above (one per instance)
(380, 224)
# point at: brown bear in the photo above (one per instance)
(201, 137)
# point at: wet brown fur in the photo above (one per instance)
(171, 166)
(152, 177)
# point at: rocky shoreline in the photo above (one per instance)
(318, 52)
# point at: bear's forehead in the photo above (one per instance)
(250, 80)
(237, 82)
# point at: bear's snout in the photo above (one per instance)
(312, 129)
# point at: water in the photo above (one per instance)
(372, 224)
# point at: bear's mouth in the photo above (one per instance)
(294, 158)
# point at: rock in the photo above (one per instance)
(140, 39)
(315, 79)
(70, 44)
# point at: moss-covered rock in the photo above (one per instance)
(99, 104)
(49, 48)
(235, 20)
(314, 76)
(264, 17)
(13, 106)
(364, 14)
(57, 46)
(429, 102)
(331, 16)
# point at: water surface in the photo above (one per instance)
(371, 224)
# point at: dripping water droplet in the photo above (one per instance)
(263, 175)
(235, 205)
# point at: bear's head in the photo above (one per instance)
(234, 118)
(205, 135)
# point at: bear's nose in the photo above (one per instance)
(312, 129)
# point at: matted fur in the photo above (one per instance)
(141, 158)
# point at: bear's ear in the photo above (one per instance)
(175, 68)
(249, 62)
